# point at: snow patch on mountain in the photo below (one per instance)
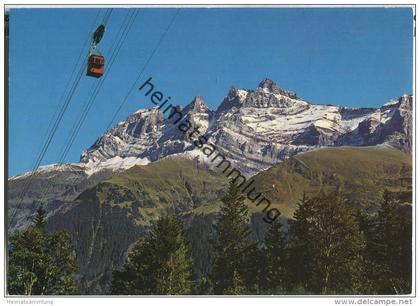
(115, 163)
(253, 128)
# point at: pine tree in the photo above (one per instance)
(39, 220)
(254, 269)
(391, 247)
(41, 263)
(231, 244)
(367, 267)
(160, 263)
(299, 264)
(237, 286)
(327, 236)
(275, 253)
(174, 273)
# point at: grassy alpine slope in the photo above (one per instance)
(172, 184)
(361, 173)
(106, 220)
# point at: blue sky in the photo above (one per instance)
(359, 57)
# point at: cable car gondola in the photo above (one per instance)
(96, 62)
(96, 65)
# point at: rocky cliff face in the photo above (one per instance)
(254, 129)
(258, 128)
(148, 135)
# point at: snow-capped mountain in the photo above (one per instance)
(253, 129)
(256, 128)
(148, 135)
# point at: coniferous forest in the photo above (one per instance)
(329, 248)
(210, 151)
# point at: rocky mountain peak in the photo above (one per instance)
(257, 128)
(197, 105)
(406, 101)
(272, 87)
(234, 98)
(269, 84)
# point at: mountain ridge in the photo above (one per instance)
(150, 136)
(247, 114)
(254, 129)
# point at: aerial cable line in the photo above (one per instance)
(106, 17)
(52, 133)
(96, 91)
(58, 117)
(116, 48)
(49, 140)
(64, 108)
(140, 74)
(89, 104)
(47, 144)
(53, 127)
(144, 68)
(72, 75)
(145, 65)
(100, 31)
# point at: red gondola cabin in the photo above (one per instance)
(95, 66)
